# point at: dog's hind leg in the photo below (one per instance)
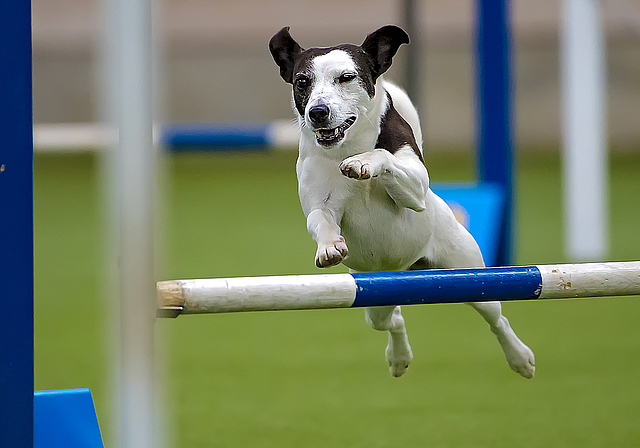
(519, 356)
(462, 251)
(398, 351)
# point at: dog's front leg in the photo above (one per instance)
(323, 227)
(402, 174)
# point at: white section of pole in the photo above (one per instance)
(131, 174)
(231, 295)
(562, 281)
(585, 167)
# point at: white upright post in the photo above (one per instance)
(131, 171)
(584, 145)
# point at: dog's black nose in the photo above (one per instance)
(319, 114)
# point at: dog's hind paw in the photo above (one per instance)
(331, 254)
(519, 356)
(398, 354)
(521, 360)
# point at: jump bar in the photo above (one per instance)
(301, 292)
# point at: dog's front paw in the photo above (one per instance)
(331, 254)
(355, 168)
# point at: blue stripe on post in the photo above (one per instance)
(447, 286)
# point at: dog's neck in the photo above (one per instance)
(362, 135)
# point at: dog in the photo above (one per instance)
(363, 184)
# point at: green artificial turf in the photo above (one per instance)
(318, 378)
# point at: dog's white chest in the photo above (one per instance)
(380, 234)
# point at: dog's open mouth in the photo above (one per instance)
(329, 137)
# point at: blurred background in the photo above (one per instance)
(318, 379)
(213, 53)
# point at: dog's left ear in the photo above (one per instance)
(284, 50)
(382, 45)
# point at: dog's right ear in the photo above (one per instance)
(284, 51)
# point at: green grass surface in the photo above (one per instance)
(318, 378)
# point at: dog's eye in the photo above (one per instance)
(346, 77)
(302, 83)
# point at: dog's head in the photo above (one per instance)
(332, 87)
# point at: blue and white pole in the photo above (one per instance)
(299, 292)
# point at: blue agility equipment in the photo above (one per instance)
(65, 419)
(479, 207)
(16, 226)
(494, 113)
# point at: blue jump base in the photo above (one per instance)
(65, 419)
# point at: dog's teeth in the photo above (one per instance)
(327, 133)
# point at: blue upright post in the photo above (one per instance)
(16, 226)
(494, 110)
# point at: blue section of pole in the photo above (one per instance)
(494, 110)
(447, 286)
(16, 226)
(196, 136)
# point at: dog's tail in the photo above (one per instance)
(405, 107)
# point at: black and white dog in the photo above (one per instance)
(363, 185)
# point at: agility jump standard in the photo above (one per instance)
(301, 292)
